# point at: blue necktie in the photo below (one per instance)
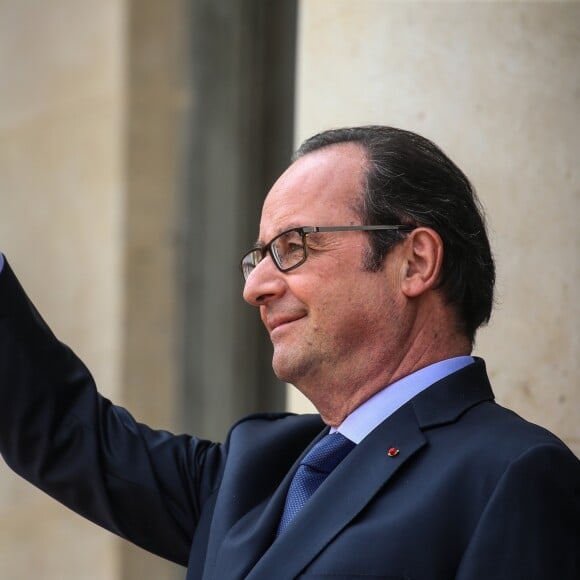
(313, 470)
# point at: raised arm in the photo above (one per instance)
(57, 432)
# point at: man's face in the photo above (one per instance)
(329, 320)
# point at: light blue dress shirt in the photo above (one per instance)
(1, 261)
(384, 403)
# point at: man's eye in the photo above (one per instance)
(293, 248)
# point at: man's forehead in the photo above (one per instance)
(318, 189)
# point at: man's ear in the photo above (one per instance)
(424, 256)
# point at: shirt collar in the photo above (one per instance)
(383, 404)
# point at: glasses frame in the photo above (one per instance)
(304, 231)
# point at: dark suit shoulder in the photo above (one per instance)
(504, 433)
(285, 419)
(275, 429)
(465, 402)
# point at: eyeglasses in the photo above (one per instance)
(289, 249)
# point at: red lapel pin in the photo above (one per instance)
(393, 452)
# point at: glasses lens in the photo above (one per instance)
(288, 250)
(250, 261)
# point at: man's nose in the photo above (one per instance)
(264, 283)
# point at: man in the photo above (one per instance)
(372, 274)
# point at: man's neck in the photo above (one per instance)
(343, 394)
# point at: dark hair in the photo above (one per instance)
(411, 181)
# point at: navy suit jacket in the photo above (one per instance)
(475, 492)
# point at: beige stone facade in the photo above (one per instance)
(88, 216)
(61, 200)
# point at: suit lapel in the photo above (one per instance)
(342, 496)
(252, 535)
(249, 536)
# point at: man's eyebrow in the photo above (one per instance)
(260, 244)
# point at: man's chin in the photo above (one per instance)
(287, 366)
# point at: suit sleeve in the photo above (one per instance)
(530, 528)
(56, 431)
